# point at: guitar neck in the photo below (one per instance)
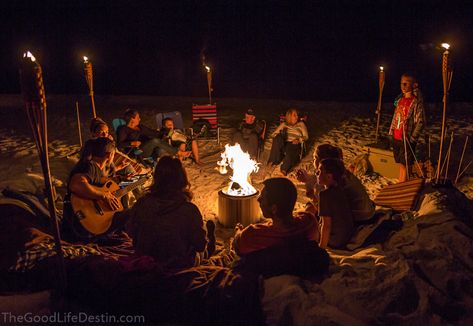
(122, 192)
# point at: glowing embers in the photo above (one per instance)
(242, 166)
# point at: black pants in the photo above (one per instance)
(287, 153)
(248, 144)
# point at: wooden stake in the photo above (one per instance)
(380, 99)
(78, 123)
(466, 168)
(461, 160)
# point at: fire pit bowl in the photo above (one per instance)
(238, 209)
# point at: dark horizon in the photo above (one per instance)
(309, 51)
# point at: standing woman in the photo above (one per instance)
(287, 142)
(165, 224)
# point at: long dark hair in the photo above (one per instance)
(170, 180)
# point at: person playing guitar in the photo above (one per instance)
(86, 182)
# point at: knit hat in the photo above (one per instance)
(250, 112)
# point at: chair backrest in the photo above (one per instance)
(205, 112)
(176, 117)
(117, 123)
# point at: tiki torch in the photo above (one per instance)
(446, 78)
(31, 78)
(209, 82)
(380, 98)
(89, 78)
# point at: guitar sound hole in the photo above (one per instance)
(108, 184)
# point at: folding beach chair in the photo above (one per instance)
(205, 117)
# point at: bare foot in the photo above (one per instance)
(183, 154)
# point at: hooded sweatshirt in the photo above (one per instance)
(169, 230)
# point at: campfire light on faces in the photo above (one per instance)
(242, 166)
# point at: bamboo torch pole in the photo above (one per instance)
(89, 78)
(380, 99)
(446, 46)
(78, 123)
(32, 86)
(209, 82)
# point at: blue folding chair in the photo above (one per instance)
(176, 117)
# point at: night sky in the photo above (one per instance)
(308, 50)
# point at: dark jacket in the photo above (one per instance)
(246, 129)
(171, 231)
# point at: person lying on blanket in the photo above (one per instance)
(335, 217)
(179, 140)
(362, 207)
(277, 200)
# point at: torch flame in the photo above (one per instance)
(28, 54)
(446, 46)
(381, 68)
(208, 68)
(242, 166)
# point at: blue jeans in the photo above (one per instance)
(155, 147)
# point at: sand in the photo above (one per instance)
(420, 275)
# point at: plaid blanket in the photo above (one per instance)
(42, 246)
(46, 248)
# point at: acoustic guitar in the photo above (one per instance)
(96, 216)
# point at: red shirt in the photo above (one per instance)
(260, 236)
(402, 110)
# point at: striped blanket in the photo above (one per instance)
(400, 196)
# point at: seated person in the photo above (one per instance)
(89, 174)
(362, 207)
(277, 201)
(178, 139)
(136, 135)
(249, 133)
(336, 220)
(99, 129)
(287, 142)
(164, 223)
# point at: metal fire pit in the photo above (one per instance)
(238, 209)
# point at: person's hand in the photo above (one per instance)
(111, 200)
(302, 175)
(135, 143)
(238, 227)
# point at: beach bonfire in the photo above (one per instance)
(238, 201)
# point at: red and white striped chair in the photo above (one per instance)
(206, 115)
